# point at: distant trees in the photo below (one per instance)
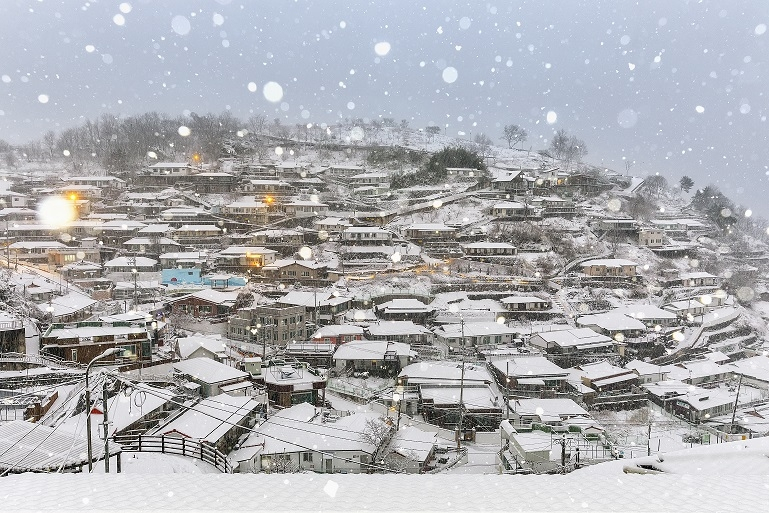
(514, 134)
(452, 157)
(483, 145)
(653, 186)
(640, 207)
(431, 132)
(434, 170)
(717, 207)
(686, 183)
(568, 148)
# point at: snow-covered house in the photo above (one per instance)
(511, 210)
(650, 315)
(404, 309)
(604, 377)
(482, 250)
(304, 208)
(545, 411)
(399, 331)
(571, 341)
(200, 346)
(470, 334)
(686, 309)
(365, 235)
(614, 324)
(338, 334)
(298, 438)
(244, 258)
(292, 384)
(295, 271)
(377, 356)
(609, 268)
(131, 264)
(430, 232)
(213, 377)
(526, 304)
(413, 449)
(204, 303)
(529, 374)
(219, 421)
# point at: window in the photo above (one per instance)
(307, 457)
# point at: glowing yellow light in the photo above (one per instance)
(56, 211)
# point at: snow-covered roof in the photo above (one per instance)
(559, 407)
(404, 305)
(209, 371)
(611, 321)
(211, 418)
(608, 262)
(475, 329)
(146, 241)
(371, 350)
(28, 446)
(293, 430)
(220, 297)
(311, 299)
(188, 345)
(473, 397)
(385, 328)
(754, 367)
(246, 250)
(413, 443)
(336, 330)
(442, 372)
(283, 262)
(641, 312)
(579, 337)
(69, 303)
(435, 227)
(529, 366)
(137, 262)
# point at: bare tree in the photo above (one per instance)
(431, 132)
(256, 123)
(514, 134)
(282, 464)
(49, 140)
(483, 144)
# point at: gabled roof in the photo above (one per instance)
(211, 418)
(210, 371)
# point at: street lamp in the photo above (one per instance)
(105, 354)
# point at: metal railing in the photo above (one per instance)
(188, 447)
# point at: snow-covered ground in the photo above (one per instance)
(724, 478)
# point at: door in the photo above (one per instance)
(329, 466)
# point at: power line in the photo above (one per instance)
(253, 430)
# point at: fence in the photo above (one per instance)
(173, 445)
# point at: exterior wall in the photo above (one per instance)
(199, 307)
(651, 238)
(296, 272)
(279, 324)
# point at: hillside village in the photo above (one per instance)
(370, 303)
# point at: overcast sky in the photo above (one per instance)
(679, 87)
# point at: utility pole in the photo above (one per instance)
(563, 454)
(736, 400)
(106, 427)
(460, 432)
(507, 390)
(649, 440)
